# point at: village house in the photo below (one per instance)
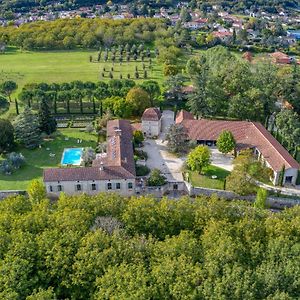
(113, 171)
(151, 122)
(280, 58)
(248, 135)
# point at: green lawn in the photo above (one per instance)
(205, 180)
(65, 66)
(38, 159)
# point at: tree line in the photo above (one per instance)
(122, 97)
(109, 247)
(84, 33)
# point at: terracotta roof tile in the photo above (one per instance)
(118, 164)
(151, 114)
(246, 134)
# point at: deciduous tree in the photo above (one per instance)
(198, 158)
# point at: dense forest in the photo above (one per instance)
(109, 247)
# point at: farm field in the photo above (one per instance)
(65, 66)
(38, 159)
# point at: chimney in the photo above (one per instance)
(118, 131)
(101, 168)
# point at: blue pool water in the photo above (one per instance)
(72, 156)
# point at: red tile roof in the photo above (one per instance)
(246, 134)
(151, 114)
(136, 126)
(183, 115)
(118, 164)
(86, 174)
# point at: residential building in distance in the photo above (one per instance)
(248, 135)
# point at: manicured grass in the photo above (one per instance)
(65, 66)
(205, 180)
(38, 159)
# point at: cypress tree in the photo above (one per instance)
(17, 106)
(47, 123)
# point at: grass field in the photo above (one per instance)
(38, 159)
(205, 179)
(64, 66)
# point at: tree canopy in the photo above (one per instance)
(226, 142)
(109, 247)
(198, 158)
(6, 135)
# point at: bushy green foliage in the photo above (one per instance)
(226, 142)
(141, 170)
(138, 137)
(199, 249)
(176, 138)
(69, 34)
(138, 99)
(261, 198)
(6, 135)
(156, 178)
(198, 158)
(27, 130)
(225, 85)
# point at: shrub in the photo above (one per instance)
(156, 178)
(141, 170)
(141, 154)
(17, 160)
(6, 167)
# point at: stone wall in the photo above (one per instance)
(5, 194)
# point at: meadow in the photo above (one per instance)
(64, 66)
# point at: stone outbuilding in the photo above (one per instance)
(151, 122)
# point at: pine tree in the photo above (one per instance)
(27, 129)
(47, 123)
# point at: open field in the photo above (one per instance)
(205, 180)
(65, 66)
(38, 159)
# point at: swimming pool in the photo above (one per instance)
(72, 156)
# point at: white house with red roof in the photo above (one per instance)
(113, 171)
(151, 122)
(248, 135)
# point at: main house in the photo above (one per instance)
(248, 135)
(113, 171)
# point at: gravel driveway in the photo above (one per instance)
(158, 156)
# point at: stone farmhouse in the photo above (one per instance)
(248, 135)
(113, 171)
(151, 122)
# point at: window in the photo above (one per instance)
(50, 188)
(118, 186)
(59, 188)
(130, 185)
(78, 187)
(94, 187)
(109, 186)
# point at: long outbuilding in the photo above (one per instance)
(248, 135)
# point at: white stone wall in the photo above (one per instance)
(151, 128)
(69, 187)
(287, 173)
